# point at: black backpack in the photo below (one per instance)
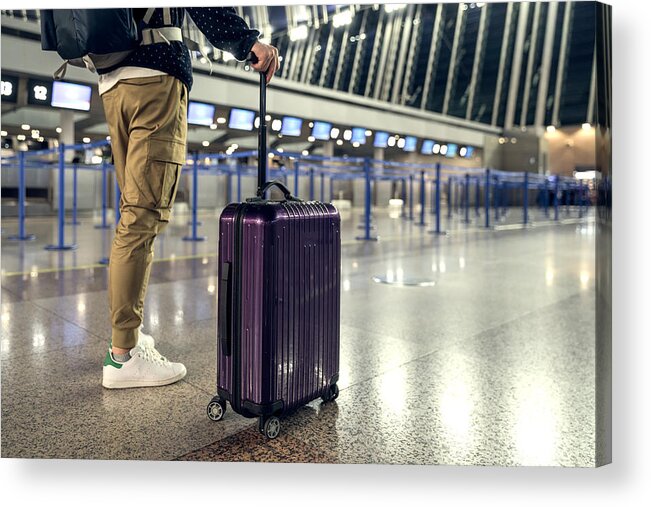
(102, 38)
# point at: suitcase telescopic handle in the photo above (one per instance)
(263, 184)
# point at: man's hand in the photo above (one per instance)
(267, 59)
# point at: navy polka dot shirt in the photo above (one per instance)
(221, 26)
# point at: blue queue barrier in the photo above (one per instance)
(61, 245)
(477, 195)
(104, 224)
(496, 198)
(422, 200)
(525, 199)
(556, 197)
(311, 183)
(437, 201)
(411, 197)
(322, 187)
(74, 220)
(403, 196)
(22, 194)
(546, 199)
(195, 200)
(487, 204)
(367, 203)
(449, 197)
(116, 206)
(466, 191)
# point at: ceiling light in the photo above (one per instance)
(213, 126)
(462, 151)
(221, 120)
(551, 129)
(305, 153)
(24, 126)
(513, 140)
(256, 122)
(86, 140)
(436, 149)
(311, 139)
(391, 141)
(355, 144)
(401, 142)
(41, 139)
(59, 130)
(340, 142)
(348, 134)
(280, 150)
(342, 18)
(311, 124)
(444, 149)
(108, 138)
(276, 124)
(20, 137)
(334, 133)
(206, 143)
(235, 146)
(3, 133)
(369, 133)
(298, 33)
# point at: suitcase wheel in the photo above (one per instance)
(332, 394)
(269, 427)
(216, 409)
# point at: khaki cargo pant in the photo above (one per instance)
(147, 120)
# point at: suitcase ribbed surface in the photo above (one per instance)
(289, 300)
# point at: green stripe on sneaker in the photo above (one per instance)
(108, 361)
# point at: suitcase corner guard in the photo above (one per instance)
(254, 409)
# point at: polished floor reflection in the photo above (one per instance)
(489, 363)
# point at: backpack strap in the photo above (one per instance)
(167, 15)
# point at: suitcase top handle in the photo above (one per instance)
(261, 191)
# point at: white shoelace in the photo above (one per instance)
(151, 354)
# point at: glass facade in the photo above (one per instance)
(454, 59)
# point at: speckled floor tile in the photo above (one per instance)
(53, 406)
(30, 329)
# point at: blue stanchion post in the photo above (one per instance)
(322, 176)
(62, 205)
(477, 195)
(367, 203)
(74, 220)
(195, 199)
(437, 201)
(487, 202)
(466, 194)
(496, 200)
(525, 199)
(403, 196)
(411, 197)
(104, 224)
(239, 181)
(297, 171)
(449, 197)
(422, 199)
(433, 194)
(116, 206)
(22, 194)
(556, 192)
(546, 199)
(580, 198)
(311, 183)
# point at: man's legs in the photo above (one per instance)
(147, 122)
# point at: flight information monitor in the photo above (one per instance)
(71, 96)
(321, 130)
(200, 113)
(381, 139)
(241, 119)
(291, 126)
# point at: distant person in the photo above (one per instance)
(145, 99)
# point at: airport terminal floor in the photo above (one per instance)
(475, 347)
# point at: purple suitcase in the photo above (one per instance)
(278, 304)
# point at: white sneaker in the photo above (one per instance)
(146, 368)
(145, 340)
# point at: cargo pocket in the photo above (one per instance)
(165, 159)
